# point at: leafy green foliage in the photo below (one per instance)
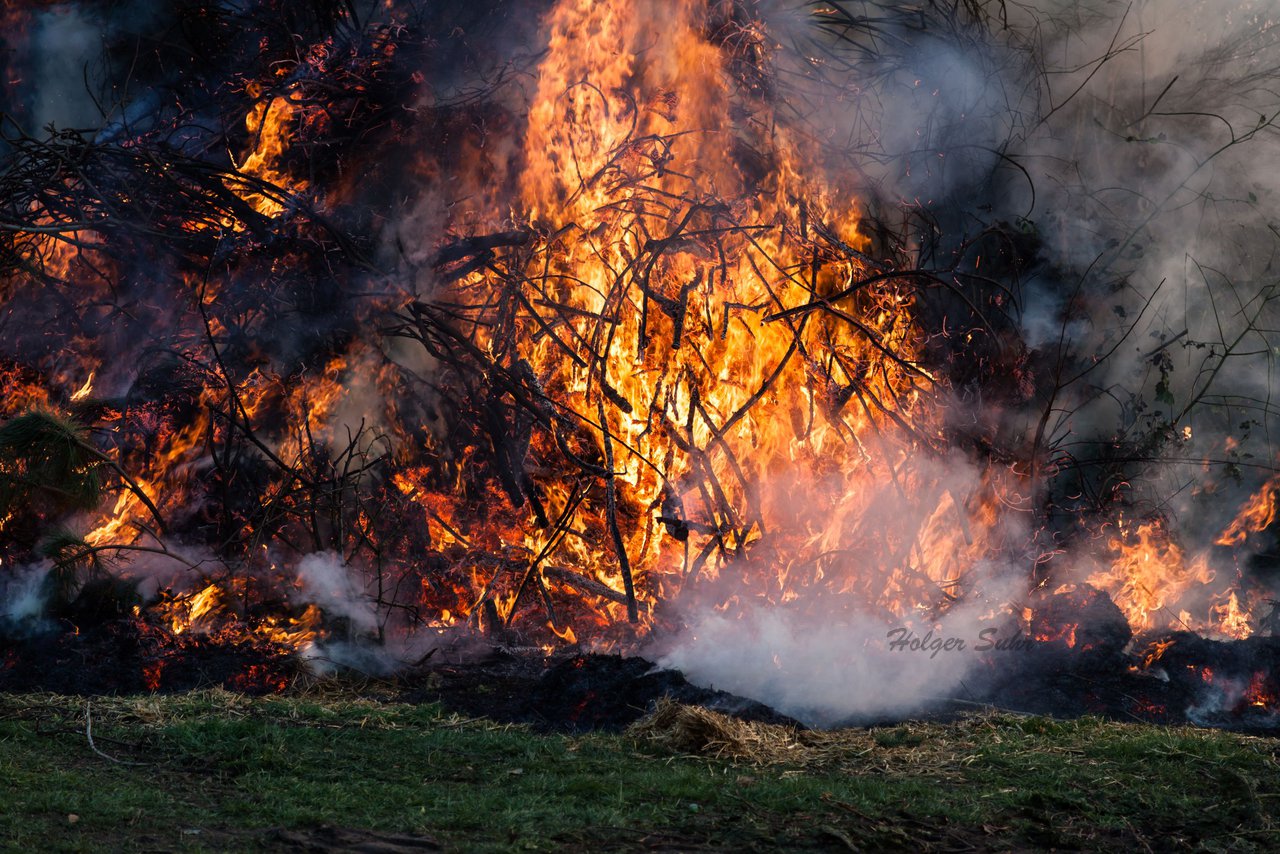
(48, 464)
(75, 563)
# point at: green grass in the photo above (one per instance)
(220, 772)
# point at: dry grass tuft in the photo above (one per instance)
(696, 731)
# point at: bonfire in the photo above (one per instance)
(337, 337)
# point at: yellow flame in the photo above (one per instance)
(1258, 513)
(270, 125)
(1149, 575)
(84, 390)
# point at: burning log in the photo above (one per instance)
(480, 247)
(587, 585)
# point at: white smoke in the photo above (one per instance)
(23, 594)
(826, 667)
(822, 655)
(340, 590)
(327, 581)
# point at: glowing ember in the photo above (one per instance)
(1260, 693)
(151, 672)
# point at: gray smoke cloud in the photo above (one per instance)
(22, 597)
(65, 44)
(1156, 201)
(327, 581)
(340, 590)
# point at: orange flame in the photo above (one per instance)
(669, 311)
(1149, 575)
(1257, 514)
(1259, 693)
(270, 125)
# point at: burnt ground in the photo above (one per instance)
(574, 694)
(132, 656)
(1231, 685)
(561, 693)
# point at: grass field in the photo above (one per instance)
(219, 771)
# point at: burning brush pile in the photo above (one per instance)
(858, 360)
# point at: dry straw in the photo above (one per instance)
(696, 731)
